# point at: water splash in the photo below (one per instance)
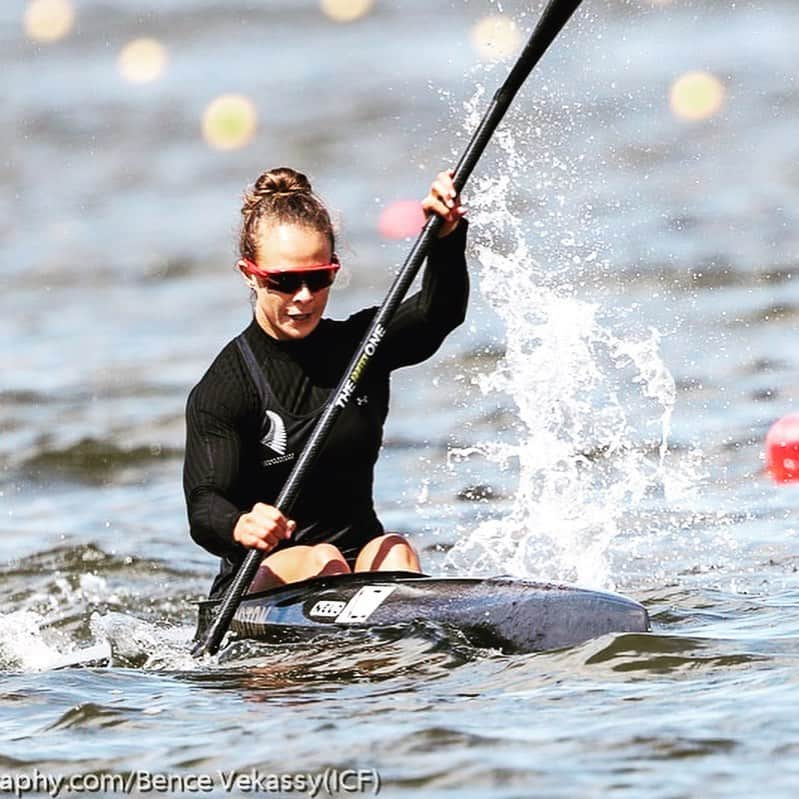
(136, 643)
(63, 617)
(29, 644)
(592, 393)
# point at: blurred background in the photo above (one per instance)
(599, 418)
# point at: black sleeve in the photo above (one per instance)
(423, 321)
(210, 472)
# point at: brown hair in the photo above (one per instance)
(281, 195)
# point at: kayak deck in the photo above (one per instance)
(502, 612)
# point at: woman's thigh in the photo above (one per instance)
(298, 563)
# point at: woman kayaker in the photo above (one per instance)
(250, 415)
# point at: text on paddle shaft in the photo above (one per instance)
(333, 782)
(368, 351)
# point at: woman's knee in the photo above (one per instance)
(389, 552)
(299, 562)
(327, 559)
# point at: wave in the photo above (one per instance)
(93, 460)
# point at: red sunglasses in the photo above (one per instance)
(289, 281)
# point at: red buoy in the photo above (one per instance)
(402, 219)
(782, 449)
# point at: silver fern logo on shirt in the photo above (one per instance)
(275, 437)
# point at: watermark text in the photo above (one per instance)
(330, 782)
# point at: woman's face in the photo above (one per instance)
(283, 246)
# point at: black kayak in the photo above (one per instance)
(501, 612)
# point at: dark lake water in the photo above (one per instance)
(599, 419)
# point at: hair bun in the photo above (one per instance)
(282, 180)
(280, 196)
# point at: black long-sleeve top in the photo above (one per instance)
(240, 445)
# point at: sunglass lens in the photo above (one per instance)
(290, 282)
(319, 280)
(286, 283)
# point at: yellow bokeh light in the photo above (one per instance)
(229, 122)
(142, 60)
(48, 20)
(496, 37)
(696, 96)
(346, 10)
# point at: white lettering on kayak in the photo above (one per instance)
(327, 608)
(251, 614)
